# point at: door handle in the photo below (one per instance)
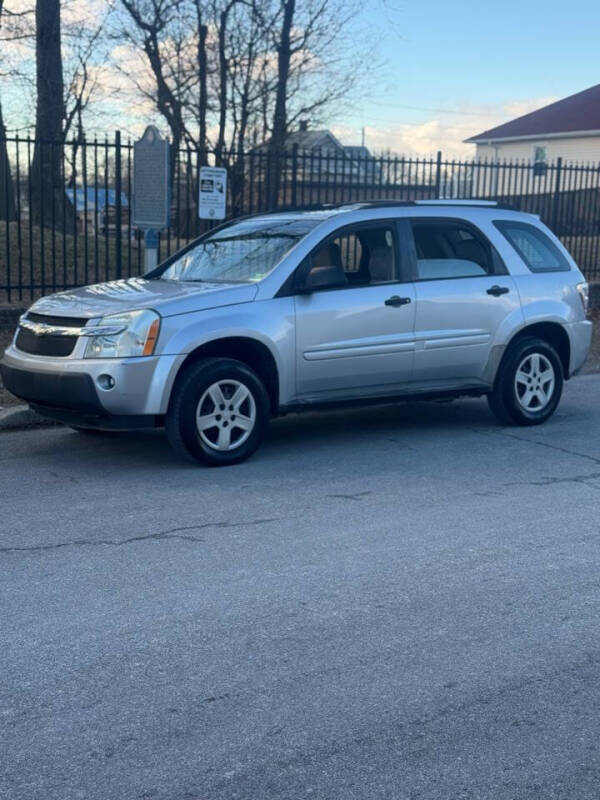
(395, 301)
(496, 291)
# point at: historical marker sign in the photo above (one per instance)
(151, 181)
(212, 203)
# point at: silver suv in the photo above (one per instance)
(370, 302)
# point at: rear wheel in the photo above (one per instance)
(218, 412)
(529, 383)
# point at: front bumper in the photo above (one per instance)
(142, 386)
(70, 391)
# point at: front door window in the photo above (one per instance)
(367, 255)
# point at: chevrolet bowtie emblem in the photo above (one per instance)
(41, 328)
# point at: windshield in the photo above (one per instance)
(243, 252)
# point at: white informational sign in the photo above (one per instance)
(213, 193)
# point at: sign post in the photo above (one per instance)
(212, 202)
(151, 200)
(151, 248)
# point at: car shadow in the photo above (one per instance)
(408, 417)
(325, 432)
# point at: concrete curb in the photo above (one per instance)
(21, 418)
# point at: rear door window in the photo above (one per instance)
(450, 249)
(536, 249)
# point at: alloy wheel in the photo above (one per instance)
(534, 382)
(226, 415)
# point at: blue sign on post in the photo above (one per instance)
(151, 248)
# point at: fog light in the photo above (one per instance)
(105, 382)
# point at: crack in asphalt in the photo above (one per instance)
(410, 731)
(550, 446)
(551, 481)
(355, 496)
(171, 533)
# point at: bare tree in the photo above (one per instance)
(7, 190)
(248, 61)
(202, 70)
(226, 74)
(312, 70)
(160, 30)
(224, 67)
(285, 49)
(86, 44)
(46, 180)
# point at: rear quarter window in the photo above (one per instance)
(537, 250)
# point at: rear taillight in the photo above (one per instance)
(584, 296)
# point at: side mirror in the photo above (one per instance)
(327, 277)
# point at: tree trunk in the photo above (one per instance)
(47, 187)
(238, 173)
(203, 77)
(222, 86)
(8, 212)
(279, 131)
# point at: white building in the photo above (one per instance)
(568, 129)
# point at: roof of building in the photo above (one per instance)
(321, 139)
(579, 113)
(89, 197)
(357, 151)
(308, 140)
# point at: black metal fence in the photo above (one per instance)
(65, 216)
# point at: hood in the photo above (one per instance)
(166, 297)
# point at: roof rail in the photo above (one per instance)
(457, 202)
(474, 203)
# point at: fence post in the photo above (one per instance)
(556, 197)
(118, 208)
(438, 175)
(294, 173)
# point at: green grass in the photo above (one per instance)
(41, 260)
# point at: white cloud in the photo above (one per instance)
(444, 131)
(520, 107)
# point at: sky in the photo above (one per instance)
(447, 70)
(481, 63)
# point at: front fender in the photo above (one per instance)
(261, 321)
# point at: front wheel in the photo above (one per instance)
(218, 412)
(529, 383)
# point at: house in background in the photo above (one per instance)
(322, 156)
(568, 129)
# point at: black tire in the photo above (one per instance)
(507, 401)
(192, 387)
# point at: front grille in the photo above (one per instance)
(49, 344)
(45, 345)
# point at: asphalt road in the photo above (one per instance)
(401, 602)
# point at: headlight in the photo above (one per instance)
(133, 333)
